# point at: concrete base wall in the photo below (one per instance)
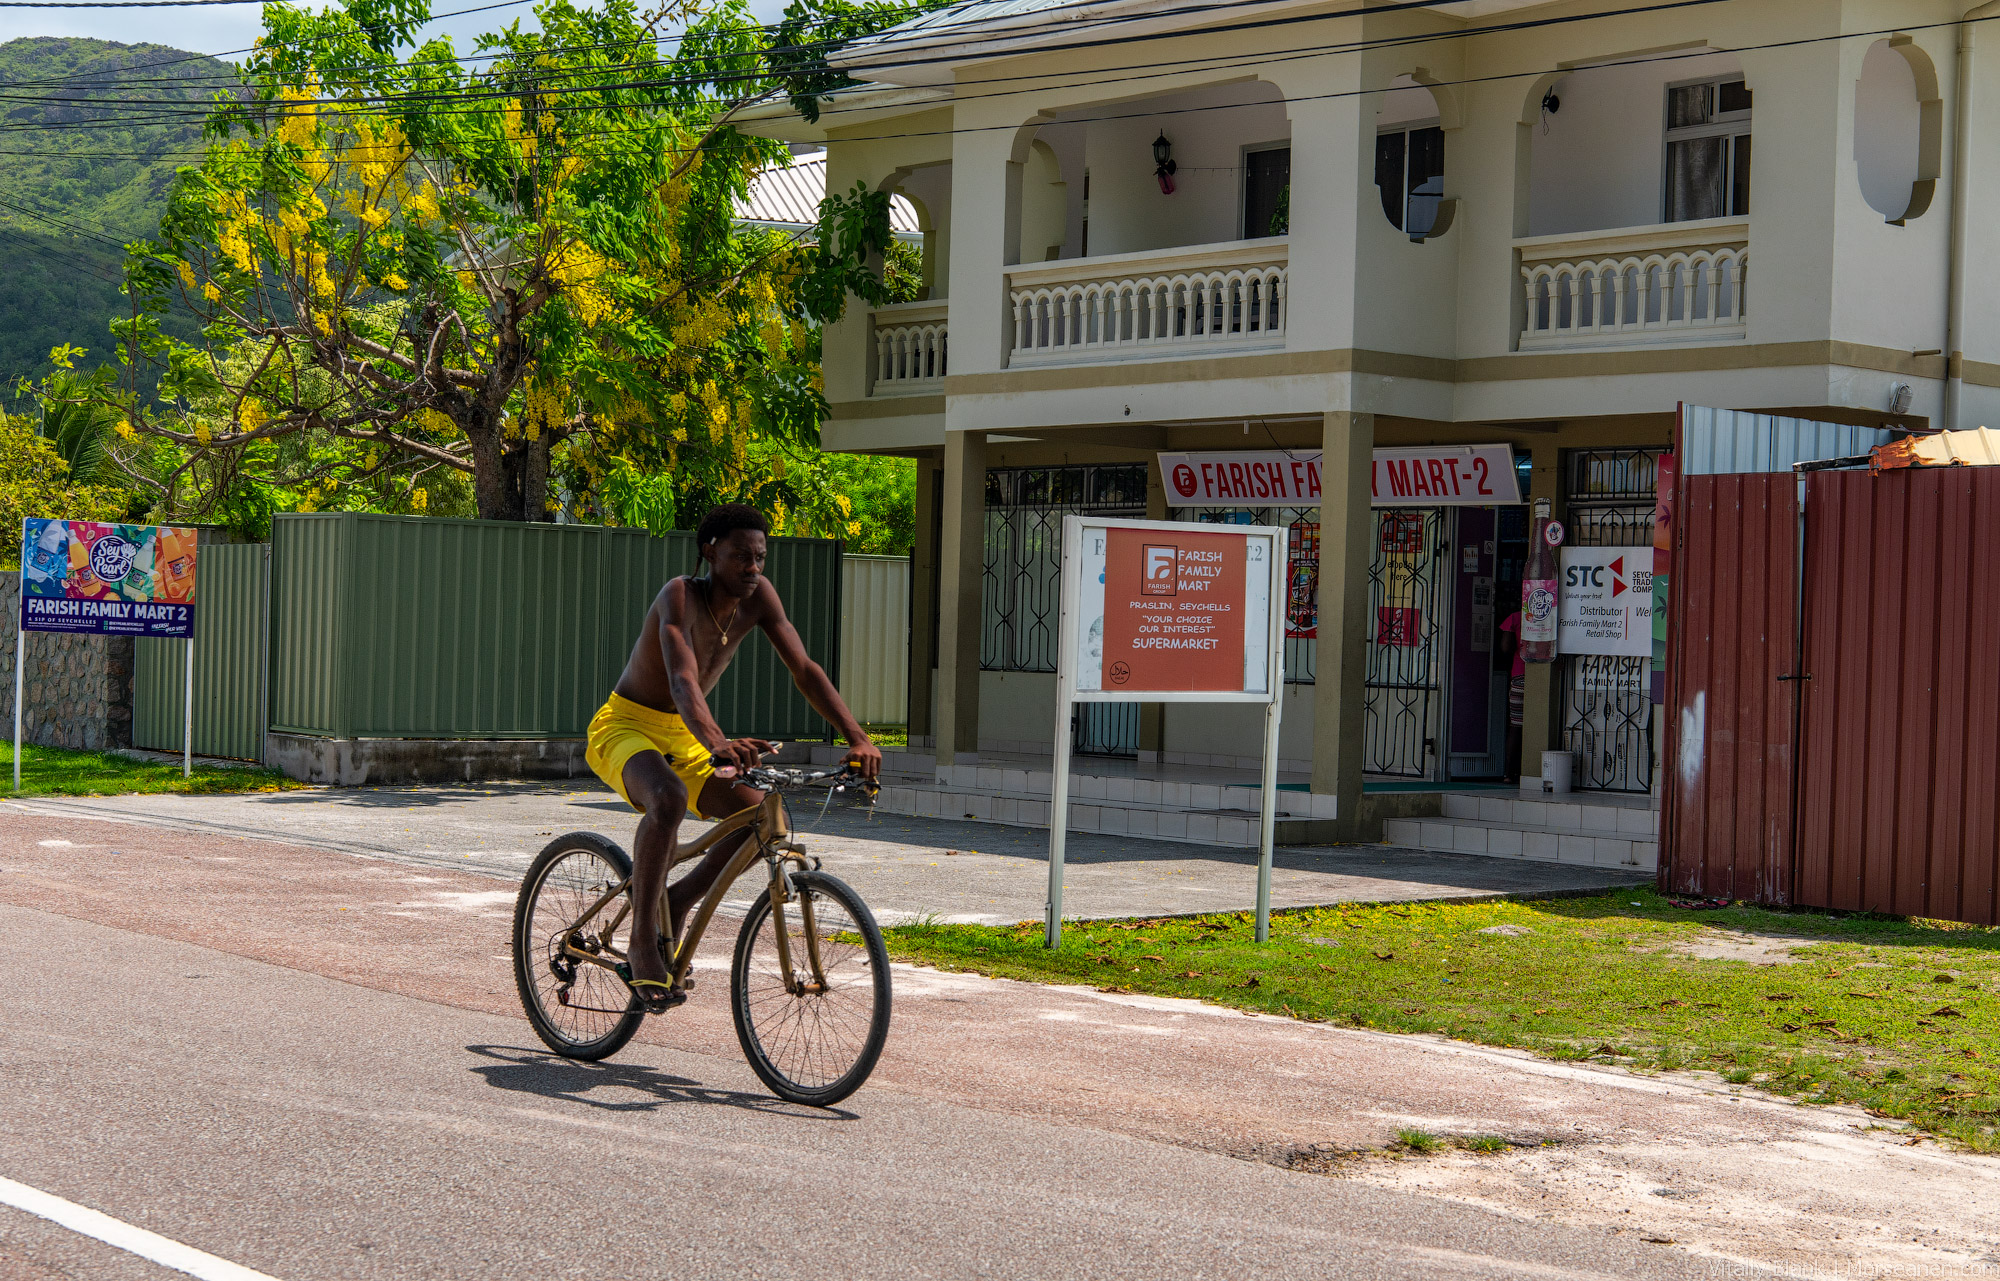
(380, 762)
(355, 762)
(79, 688)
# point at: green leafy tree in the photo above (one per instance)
(519, 271)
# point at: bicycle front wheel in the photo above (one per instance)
(580, 1010)
(814, 1039)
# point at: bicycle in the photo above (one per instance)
(812, 1025)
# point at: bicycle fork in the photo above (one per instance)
(782, 893)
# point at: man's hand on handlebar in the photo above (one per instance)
(740, 754)
(866, 758)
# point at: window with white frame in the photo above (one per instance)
(1708, 150)
(1409, 169)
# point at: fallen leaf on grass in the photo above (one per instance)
(1190, 974)
(1789, 1027)
(1672, 1000)
(1385, 956)
(1944, 978)
(1111, 989)
(1825, 1023)
(1541, 1011)
(1777, 996)
(1150, 957)
(1866, 996)
(1946, 1012)
(1252, 981)
(1968, 1051)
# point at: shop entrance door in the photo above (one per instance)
(1488, 552)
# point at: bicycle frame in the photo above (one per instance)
(770, 841)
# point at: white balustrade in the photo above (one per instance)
(1642, 286)
(912, 347)
(1225, 297)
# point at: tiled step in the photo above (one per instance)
(1463, 835)
(1634, 820)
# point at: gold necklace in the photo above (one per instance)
(709, 602)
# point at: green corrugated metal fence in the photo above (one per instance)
(408, 627)
(228, 662)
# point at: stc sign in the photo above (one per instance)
(1432, 476)
(1607, 601)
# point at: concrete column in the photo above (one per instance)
(924, 601)
(960, 591)
(1538, 695)
(1341, 652)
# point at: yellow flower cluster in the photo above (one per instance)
(420, 500)
(252, 414)
(584, 274)
(124, 429)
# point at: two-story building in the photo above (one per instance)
(1319, 230)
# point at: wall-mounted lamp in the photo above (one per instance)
(1550, 103)
(1163, 158)
(1899, 398)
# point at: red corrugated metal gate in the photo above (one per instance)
(1891, 802)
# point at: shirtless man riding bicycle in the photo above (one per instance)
(654, 739)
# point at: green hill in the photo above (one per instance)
(78, 178)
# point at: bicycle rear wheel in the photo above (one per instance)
(580, 1010)
(813, 1043)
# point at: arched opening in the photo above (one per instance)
(1409, 159)
(1090, 181)
(1896, 138)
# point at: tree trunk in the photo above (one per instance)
(510, 480)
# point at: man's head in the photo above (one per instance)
(731, 543)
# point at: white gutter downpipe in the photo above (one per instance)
(1961, 161)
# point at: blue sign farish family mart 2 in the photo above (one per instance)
(107, 579)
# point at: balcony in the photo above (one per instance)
(1677, 283)
(911, 348)
(1197, 300)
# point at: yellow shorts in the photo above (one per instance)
(622, 729)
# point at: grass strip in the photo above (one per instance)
(1900, 1017)
(56, 771)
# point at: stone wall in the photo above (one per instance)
(79, 687)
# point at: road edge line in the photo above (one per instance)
(84, 1221)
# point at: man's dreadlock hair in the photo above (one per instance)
(725, 520)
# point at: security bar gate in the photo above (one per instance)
(1025, 507)
(1403, 699)
(1606, 701)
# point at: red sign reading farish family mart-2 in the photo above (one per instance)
(1173, 610)
(1417, 476)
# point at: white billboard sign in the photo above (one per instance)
(1607, 601)
(1169, 612)
(1421, 476)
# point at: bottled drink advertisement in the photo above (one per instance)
(1541, 590)
(109, 579)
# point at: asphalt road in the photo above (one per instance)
(308, 1128)
(313, 1064)
(904, 866)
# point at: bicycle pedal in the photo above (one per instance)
(687, 984)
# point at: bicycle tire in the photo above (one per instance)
(822, 1089)
(533, 953)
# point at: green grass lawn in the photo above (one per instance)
(1900, 1017)
(55, 771)
(889, 736)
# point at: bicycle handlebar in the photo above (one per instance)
(773, 778)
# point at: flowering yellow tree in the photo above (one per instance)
(525, 270)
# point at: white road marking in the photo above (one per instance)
(147, 1245)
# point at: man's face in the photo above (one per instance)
(736, 562)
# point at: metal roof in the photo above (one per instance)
(1978, 447)
(789, 197)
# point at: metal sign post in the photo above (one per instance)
(20, 666)
(1168, 612)
(187, 718)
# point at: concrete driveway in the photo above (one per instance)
(904, 866)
